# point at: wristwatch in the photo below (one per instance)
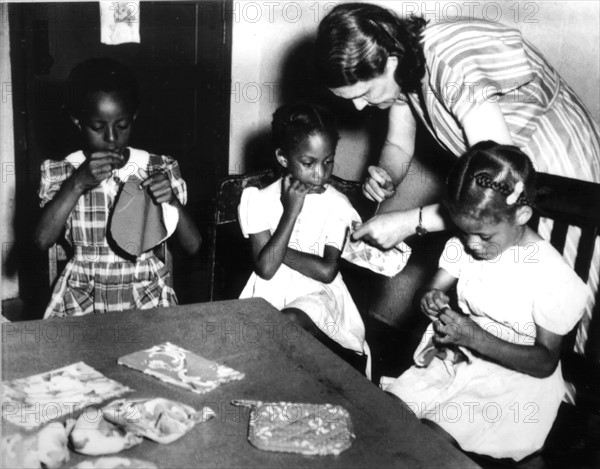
(420, 229)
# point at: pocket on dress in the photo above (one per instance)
(79, 298)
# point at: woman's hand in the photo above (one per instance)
(96, 168)
(159, 188)
(434, 302)
(379, 185)
(455, 328)
(293, 193)
(385, 230)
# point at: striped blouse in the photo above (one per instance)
(468, 63)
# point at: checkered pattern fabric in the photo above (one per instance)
(97, 279)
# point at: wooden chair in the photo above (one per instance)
(230, 256)
(571, 202)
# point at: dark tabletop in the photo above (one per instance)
(280, 361)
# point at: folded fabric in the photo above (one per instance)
(94, 436)
(158, 419)
(60, 392)
(137, 223)
(178, 366)
(115, 462)
(44, 448)
(388, 263)
(428, 350)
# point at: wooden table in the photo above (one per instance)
(281, 363)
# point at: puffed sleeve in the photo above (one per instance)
(560, 298)
(453, 257)
(472, 63)
(339, 223)
(171, 168)
(53, 174)
(252, 212)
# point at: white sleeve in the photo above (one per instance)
(252, 213)
(453, 257)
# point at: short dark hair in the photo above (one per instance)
(355, 40)
(95, 76)
(293, 122)
(481, 180)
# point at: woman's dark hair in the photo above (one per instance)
(482, 180)
(89, 79)
(294, 122)
(355, 40)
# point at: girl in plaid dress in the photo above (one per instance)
(78, 193)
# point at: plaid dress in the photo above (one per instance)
(97, 279)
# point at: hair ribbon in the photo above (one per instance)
(517, 191)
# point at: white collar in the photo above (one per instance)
(138, 159)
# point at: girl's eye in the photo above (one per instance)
(485, 238)
(329, 162)
(123, 126)
(308, 165)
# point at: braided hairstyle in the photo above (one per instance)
(355, 40)
(292, 123)
(89, 79)
(485, 182)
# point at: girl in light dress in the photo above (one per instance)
(297, 227)
(489, 375)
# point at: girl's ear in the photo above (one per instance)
(524, 213)
(281, 158)
(391, 65)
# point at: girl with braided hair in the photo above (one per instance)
(489, 375)
(297, 228)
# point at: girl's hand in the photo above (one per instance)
(96, 168)
(293, 193)
(159, 187)
(455, 328)
(379, 185)
(434, 302)
(385, 230)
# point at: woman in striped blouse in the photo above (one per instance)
(466, 82)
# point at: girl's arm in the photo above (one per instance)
(160, 189)
(323, 269)
(269, 251)
(539, 360)
(90, 173)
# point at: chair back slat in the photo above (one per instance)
(559, 235)
(585, 252)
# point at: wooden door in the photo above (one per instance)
(183, 67)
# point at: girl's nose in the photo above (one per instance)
(360, 103)
(110, 135)
(318, 174)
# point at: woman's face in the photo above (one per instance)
(381, 91)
